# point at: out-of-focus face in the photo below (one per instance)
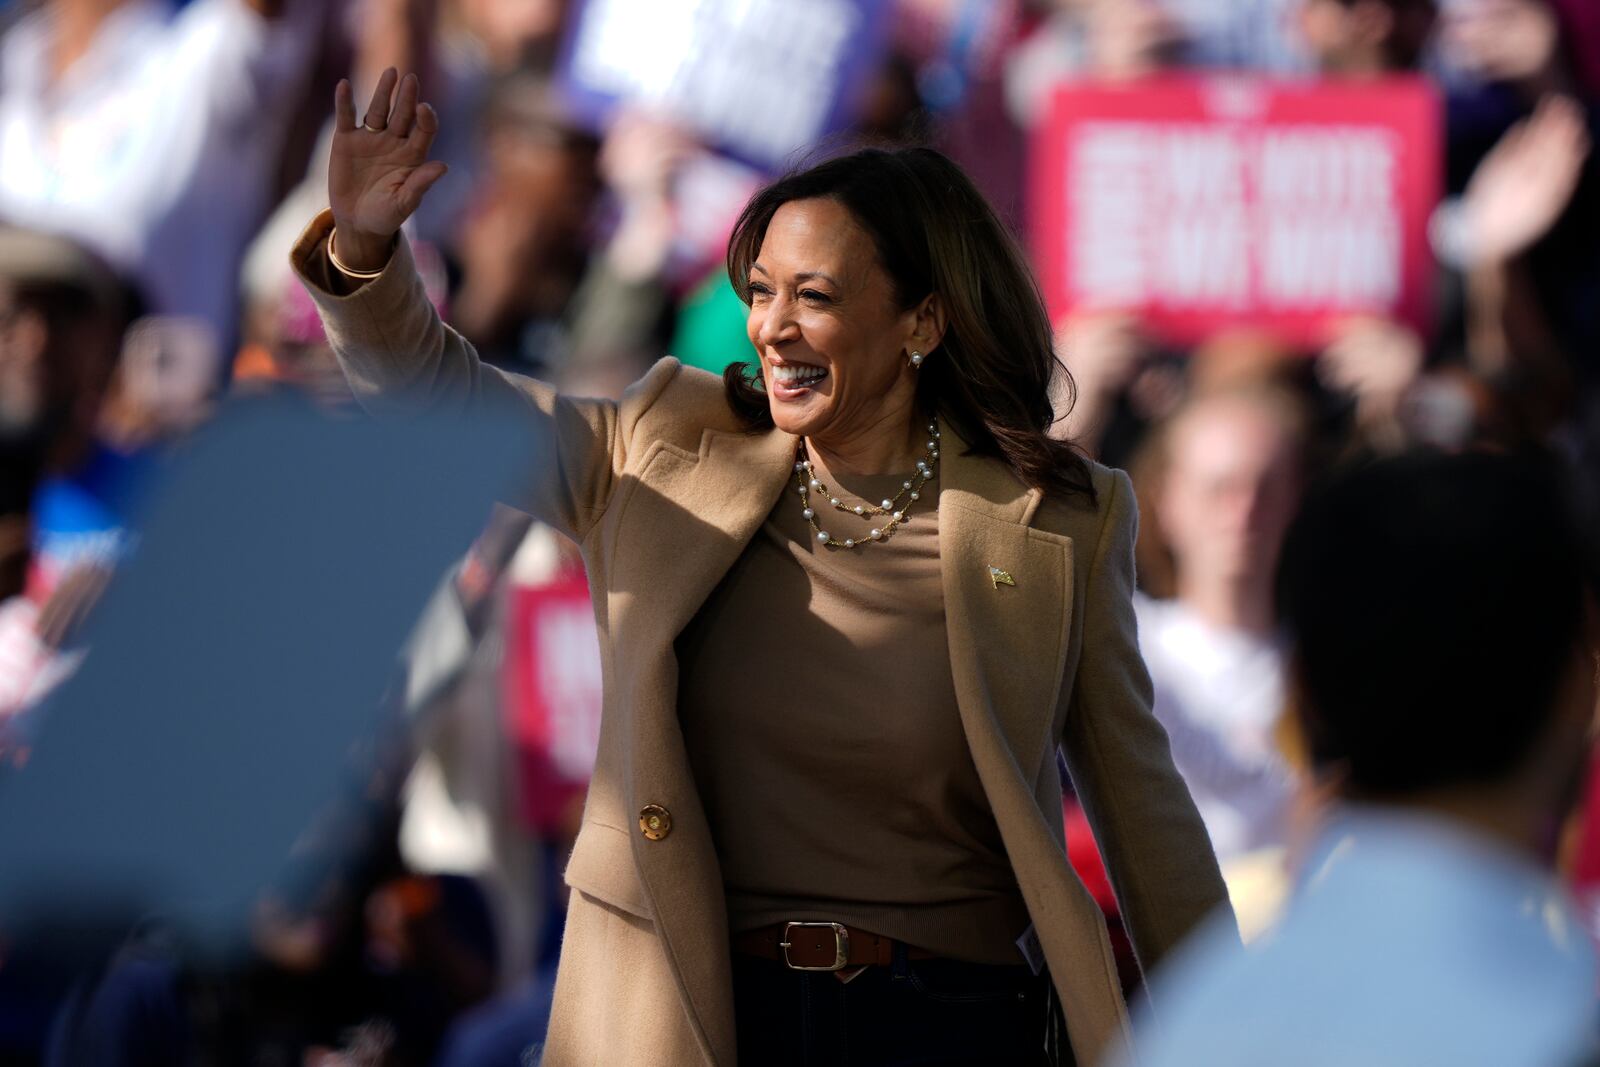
(510, 29)
(1231, 488)
(169, 371)
(24, 389)
(1326, 27)
(833, 345)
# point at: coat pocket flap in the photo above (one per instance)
(602, 867)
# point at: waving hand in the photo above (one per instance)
(379, 168)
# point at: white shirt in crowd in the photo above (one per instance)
(159, 147)
(1409, 942)
(1220, 694)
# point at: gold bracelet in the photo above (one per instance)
(349, 272)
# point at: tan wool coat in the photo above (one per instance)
(662, 492)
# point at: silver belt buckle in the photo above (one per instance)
(841, 941)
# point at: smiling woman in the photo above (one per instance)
(914, 268)
(825, 823)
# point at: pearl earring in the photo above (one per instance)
(916, 359)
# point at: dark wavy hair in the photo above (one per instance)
(934, 233)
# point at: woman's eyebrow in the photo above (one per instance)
(803, 276)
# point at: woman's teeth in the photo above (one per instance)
(797, 374)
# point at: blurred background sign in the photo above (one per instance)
(1203, 204)
(758, 79)
(553, 697)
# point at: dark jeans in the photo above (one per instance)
(913, 1013)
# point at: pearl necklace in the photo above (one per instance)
(898, 509)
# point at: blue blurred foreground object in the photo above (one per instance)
(229, 717)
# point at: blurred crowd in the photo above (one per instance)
(158, 161)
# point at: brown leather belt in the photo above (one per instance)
(813, 946)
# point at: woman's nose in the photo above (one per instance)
(777, 322)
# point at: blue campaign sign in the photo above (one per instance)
(758, 79)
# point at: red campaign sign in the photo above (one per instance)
(552, 685)
(1209, 203)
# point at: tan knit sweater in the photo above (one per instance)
(821, 721)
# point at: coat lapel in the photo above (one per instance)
(1007, 639)
(687, 521)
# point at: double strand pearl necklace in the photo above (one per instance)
(898, 509)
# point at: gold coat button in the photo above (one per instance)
(655, 822)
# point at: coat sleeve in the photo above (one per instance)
(1156, 848)
(399, 357)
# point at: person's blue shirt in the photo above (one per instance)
(1409, 941)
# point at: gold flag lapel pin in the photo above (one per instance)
(1000, 577)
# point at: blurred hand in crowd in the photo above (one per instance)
(1376, 361)
(378, 169)
(1105, 351)
(1503, 41)
(640, 158)
(1525, 183)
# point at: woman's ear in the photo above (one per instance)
(927, 324)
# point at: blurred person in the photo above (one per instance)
(627, 289)
(1499, 234)
(62, 316)
(1516, 44)
(1119, 40)
(162, 388)
(511, 35)
(1086, 40)
(62, 313)
(497, 792)
(523, 242)
(1441, 622)
(709, 923)
(1519, 243)
(1126, 382)
(1106, 353)
(955, 54)
(152, 135)
(1519, 230)
(1231, 472)
(466, 807)
(1366, 38)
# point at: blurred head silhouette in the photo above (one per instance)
(62, 312)
(1440, 614)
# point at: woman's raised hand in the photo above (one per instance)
(379, 168)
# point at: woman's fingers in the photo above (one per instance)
(405, 107)
(419, 182)
(344, 107)
(422, 131)
(378, 111)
